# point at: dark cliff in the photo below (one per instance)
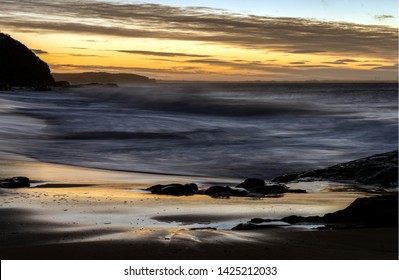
(19, 66)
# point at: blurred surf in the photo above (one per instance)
(220, 130)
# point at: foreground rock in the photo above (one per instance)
(174, 189)
(15, 182)
(253, 188)
(381, 210)
(259, 186)
(370, 211)
(20, 67)
(224, 192)
(380, 169)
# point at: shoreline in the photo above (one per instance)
(106, 215)
(43, 172)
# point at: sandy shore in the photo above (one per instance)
(77, 213)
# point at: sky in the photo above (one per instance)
(212, 40)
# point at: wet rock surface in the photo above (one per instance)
(363, 212)
(254, 188)
(15, 182)
(220, 192)
(380, 169)
(174, 189)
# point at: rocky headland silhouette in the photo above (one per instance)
(20, 67)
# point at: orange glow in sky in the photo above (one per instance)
(192, 43)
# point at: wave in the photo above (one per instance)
(188, 99)
(232, 130)
(119, 135)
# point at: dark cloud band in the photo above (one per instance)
(292, 35)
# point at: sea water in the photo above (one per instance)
(234, 130)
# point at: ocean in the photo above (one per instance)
(233, 130)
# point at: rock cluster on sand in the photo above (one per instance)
(380, 169)
(251, 187)
(15, 182)
(20, 67)
(174, 189)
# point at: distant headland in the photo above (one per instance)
(20, 67)
(102, 77)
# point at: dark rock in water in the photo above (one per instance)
(381, 169)
(15, 182)
(21, 67)
(251, 183)
(174, 189)
(252, 226)
(299, 219)
(380, 210)
(204, 228)
(271, 188)
(220, 191)
(259, 186)
(259, 220)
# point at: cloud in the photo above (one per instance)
(307, 51)
(78, 48)
(347, 60)
(138, 20)
(114, 69)
(256, 65)
(383, 17)
(36, 51)
(168, 54)
(389, 68)
(341, 61)
(370, 64)
(84, 55)
(212, 61)
(298, 62)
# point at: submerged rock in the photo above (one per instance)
(15, 182)
(380, 169)
(174, 189)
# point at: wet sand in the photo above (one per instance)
(77, 213)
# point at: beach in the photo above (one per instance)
(91, 154)
(97, 214)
